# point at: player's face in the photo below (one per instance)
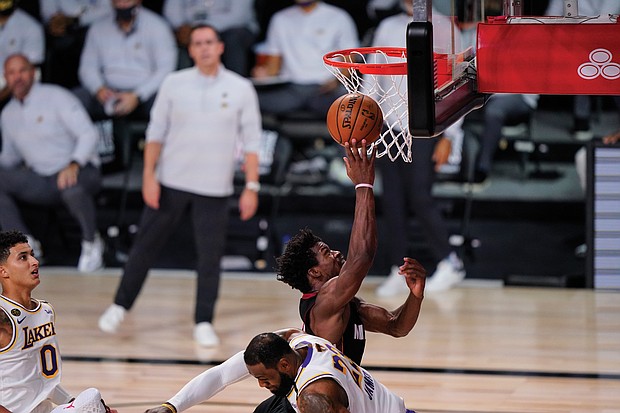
(275, 381)
(19, 75)
(330, 261)
(205, 48)
(21, 267)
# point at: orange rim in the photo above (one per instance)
(399, 68)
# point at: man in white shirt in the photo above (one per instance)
(19, 33)
(234, 19)
(49, 156)
(199, 117)
(297, 39)
(125, 58)
(66, 23)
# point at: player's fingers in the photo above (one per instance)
(353, 150)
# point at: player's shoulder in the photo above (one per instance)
(301, 339)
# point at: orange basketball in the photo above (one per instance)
(354, 116)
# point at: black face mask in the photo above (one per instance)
(125, 15)
(7, 12)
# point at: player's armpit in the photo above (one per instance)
(330, 395)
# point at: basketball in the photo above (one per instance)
(354, 116)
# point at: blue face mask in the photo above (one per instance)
(125, 15)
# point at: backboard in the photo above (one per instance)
(442, 84)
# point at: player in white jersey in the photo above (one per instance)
(307, 365)
(29, 358)
(275, 359)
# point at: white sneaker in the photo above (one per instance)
(394, 284)
(36, 247)
(449, 272)
(89, 401)
(111, 319)
(205, 335)
(91, 258)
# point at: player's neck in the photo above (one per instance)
(22, 297)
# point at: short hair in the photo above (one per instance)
(205, 26)
(9, 239)
(266, 348)
(293, 265)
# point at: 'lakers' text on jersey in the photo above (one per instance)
(31, 356)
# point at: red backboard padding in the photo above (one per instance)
(556, 59)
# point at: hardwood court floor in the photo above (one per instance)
(474, 349)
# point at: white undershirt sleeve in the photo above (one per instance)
(210, 382)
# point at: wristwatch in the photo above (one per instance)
(252, 186)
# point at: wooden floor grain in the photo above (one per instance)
(474, 349)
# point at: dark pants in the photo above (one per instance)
(209, 217)
(283, 99)
(500, 110)
(407, 188)
(275, 404)
(26, 185)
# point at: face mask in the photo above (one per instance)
(7, 12)
(125, 15)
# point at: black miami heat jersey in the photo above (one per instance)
(353, 340)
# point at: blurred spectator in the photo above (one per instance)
(407, 187)
(66, 23)
(297, 39)
(582, 104)
(19, 33)
(49, 156)
(125, 58)
(189, 171)
(500, 110)
(234, 19)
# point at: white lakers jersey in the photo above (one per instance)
(30, 363)
(366, 395)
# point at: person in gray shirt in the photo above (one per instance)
(49, 156)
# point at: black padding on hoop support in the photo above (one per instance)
(421, 78)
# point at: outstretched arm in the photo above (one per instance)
(212, 381)
(337, 293)
(400, 322)
(205, 385)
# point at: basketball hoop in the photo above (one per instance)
(380, 72)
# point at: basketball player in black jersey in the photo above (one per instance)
(329, 283)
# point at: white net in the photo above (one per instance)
(380, 73)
